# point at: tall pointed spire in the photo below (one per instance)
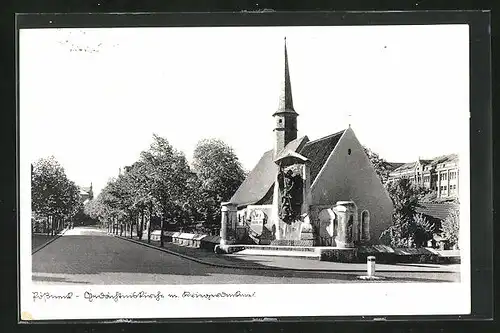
(286, 101)
(285, 117)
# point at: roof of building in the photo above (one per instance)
(393, 165)
(437, 210)
(318, 151)
(445, 158)
(405, 166)
(260, 180)
(432, 162)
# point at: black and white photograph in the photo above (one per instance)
(244, 171)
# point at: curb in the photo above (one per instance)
(271, 268)
(50, 241)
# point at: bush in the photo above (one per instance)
(450, 228)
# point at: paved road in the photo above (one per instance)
(90, 256)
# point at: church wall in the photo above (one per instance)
(352, 177)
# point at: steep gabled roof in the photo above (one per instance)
(259, 181)
(257, 187)
(318, 151)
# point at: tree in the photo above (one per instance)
(404, 196)
(54, 197)
(408, 228)
(219, 173)
(423, 230)
(166, 173)
(450, 228)
(381, 166)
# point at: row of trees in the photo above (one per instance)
(410, 229)
(55, 199)
(161, 189)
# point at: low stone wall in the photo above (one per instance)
(339, 255)
(386, 254)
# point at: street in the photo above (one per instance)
(85, 255)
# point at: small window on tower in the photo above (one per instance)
(280, 121)
(349, 151)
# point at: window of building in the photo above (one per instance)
(349, 151)
(364, 231)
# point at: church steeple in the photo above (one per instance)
(285, 116)
(286, 100)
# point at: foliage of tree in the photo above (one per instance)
(219, 175)
(409, 229)
(53, 195)
(404, 196)
(381, 166)
(166, 174)
(160, 188)
(450, 228)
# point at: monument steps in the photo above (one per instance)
(279, 253)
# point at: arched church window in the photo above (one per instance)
(365, 226)
(349, 151)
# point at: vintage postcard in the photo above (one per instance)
(195, 172)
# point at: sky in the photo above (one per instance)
(94, 97)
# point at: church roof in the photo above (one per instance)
(261, 179)
(318, 151)
(258, 181)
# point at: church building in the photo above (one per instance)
(323, 192)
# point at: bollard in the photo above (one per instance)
(370, 266)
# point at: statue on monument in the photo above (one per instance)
(287, 213)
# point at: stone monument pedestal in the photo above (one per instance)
(228, 223)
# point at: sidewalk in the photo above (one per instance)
(240, 261)
(41, 240)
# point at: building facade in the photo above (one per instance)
(440, 174)
(86, 193)
(323, 192)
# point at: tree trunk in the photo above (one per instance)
(131, 227)
(149, 224)
(137, 225)
(161, 229)
(142, 223)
